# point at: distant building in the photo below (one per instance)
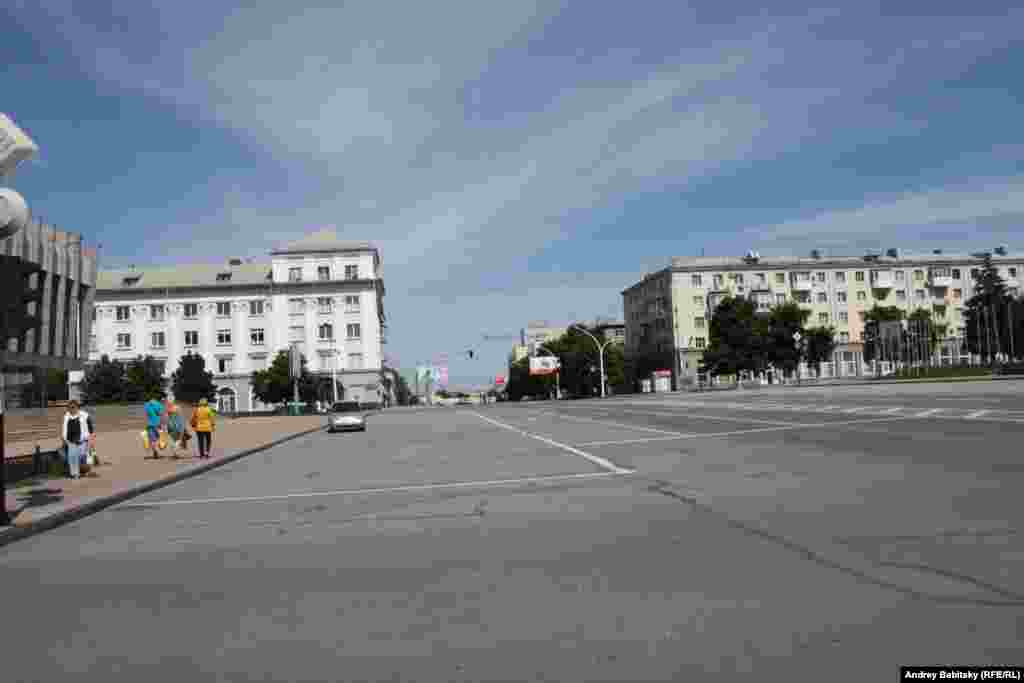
(324, 294)
(610, 330)
(667, 313)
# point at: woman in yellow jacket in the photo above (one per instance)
(203, 423)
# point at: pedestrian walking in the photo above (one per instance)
(175, 427)
(154, 418)
(203, 424)
(77, 435)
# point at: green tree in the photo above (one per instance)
(986, 313)
(522, 383)
(144, 377)
(819, 344)
(402, 391)
(274, 385)
(736, 339)
(875, 346)
(191, 381)
(580, 373)
(922, 326)
(51, 384)
(103, 381)
(784, 322)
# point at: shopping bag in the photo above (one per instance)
(162, 441)
(145, 441)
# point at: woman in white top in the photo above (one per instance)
(76, 432)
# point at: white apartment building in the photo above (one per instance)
(668, 312)
(321, 293)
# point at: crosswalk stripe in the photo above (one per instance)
(976, 414)
(894, 409)
(926, 413)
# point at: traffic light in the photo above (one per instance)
(15, 315)
(470, 354)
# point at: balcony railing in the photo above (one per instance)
(882, 280)
(802, 285)
(940, 280)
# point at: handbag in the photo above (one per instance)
(162, 441)
(145, 441)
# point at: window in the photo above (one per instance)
(352, 303)
(844, 317)
(958, 293)
(861, 296)
(191, 311)
(780, 278)
(918, 274)
(224, 365)
(698, 342)
(256, 337)
(802, 297)
(352, 272)
(844, 337)
(256, 308)
(695, 280)
(124, 340)
(325, 305)
(780, 298)
(124, 313)
(840, 276)
(820, 276)
(919, 294)
(956, 273)
(93, 344)
(223, 337)
(823, 318)
(355, 361)
(191, 338)
(326, 331)
(859, 276)
(353, 331)
(296, 333)
(157, 340)
(223, 277)
(1012, 271)
(822, 298)
(223, 309)
(323, 273)
(974, 273)
(698, 300)
(841, 297)
(698, 322)
(718, 281)
(901, 294)
(156, 312)
(295, 274)
(900, 276)
(295, 306)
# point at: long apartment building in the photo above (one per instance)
(321, 293)
(667, 312)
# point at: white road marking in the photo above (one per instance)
(850, 411)
(389, 489)
(596, 460)
(740, 432)
(890, 411)
(616, 424)
(932, 411)
(976, 414)
(722, 418)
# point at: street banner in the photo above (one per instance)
(442, 376)
(499, 381)
(544, 365)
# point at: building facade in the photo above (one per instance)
(66, 286)
(320, 293)
(668, 312)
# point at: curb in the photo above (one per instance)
(94, 505)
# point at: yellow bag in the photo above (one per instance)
(145, 441)
(162, 442)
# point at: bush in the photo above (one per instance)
(939, 373)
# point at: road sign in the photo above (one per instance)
(499, 381)
(544, 365)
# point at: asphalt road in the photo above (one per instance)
(797, 533)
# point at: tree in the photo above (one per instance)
(522, 383)
(51, 384)
(103, 381)
(819, 344)
(191, 381)
(403, 393)
(785, 321)
(736, 338)
(926, 331)
(876, 340)
(274, 385)
(144, 377)
(580, 373)
(985, 314)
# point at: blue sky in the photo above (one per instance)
(517, 161)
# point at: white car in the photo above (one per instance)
(346, 416)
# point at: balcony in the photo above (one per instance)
(940, 279)
(882, 279)
(801, 285)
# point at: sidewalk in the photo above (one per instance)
(41, 503)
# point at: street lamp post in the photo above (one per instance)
(600, 352)
(334, 368)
